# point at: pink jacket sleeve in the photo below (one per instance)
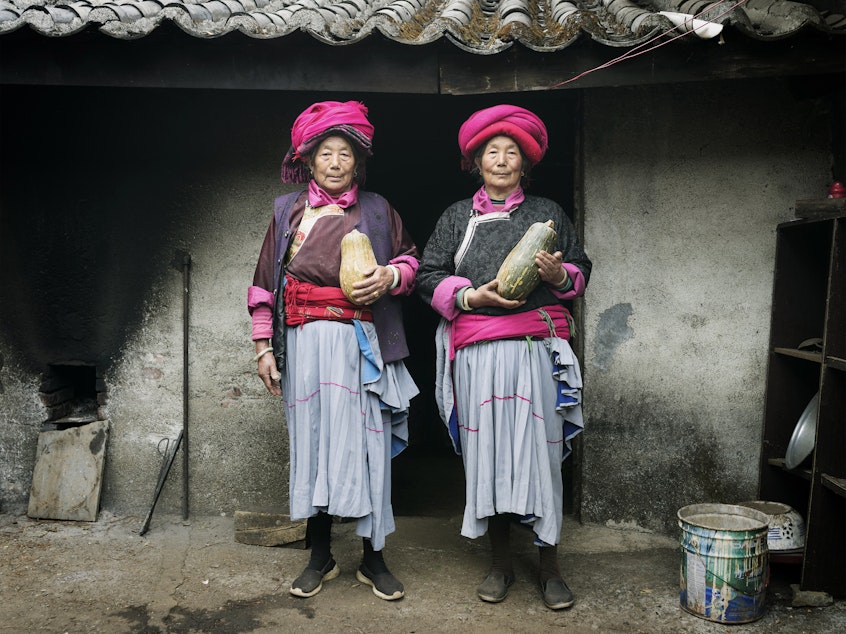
(443, 299)
(407, 266)
(260, 307)
(579, 285)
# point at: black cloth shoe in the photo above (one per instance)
(385, 585)
(556, 594)
(495, 587)
(310, 582)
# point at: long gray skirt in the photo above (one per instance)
(347, 416)
(518, 405)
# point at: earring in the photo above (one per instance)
(355, 173)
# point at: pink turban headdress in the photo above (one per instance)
(318, 121)
(523, 126)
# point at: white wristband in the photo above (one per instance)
(463, 302)
(566, 285)
(262, 353)
(396, 273)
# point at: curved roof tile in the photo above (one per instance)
(478, 26)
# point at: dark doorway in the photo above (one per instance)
(114, 212)
(416, 166)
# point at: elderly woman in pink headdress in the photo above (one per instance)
(508, 383)
(337, 363)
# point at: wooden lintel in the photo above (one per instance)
(521, 70)
(168, 58)
(821, 208)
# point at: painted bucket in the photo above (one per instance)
(724, 568)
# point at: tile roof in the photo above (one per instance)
(478, 26)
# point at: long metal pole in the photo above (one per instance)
(186, 305)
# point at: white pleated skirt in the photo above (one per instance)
(347, 416)
(518, 406)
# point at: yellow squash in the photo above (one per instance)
(356, 258)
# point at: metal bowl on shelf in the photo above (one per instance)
(786, 533)
(804, 436)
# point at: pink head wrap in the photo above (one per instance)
(319, 121)
(523, 126)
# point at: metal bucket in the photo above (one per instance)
(724, 564)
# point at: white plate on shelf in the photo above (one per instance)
(804, 435)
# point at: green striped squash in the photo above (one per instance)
(518, 275)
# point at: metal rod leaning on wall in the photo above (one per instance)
(167, 462)
(181, 260)
(185, 258)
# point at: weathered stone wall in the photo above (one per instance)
(92, 276)
(684, 187)
(21, 414)
(237, 443)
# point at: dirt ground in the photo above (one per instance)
(186, 577)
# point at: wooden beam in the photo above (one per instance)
(821, 208)
(737, 57)
(168, 58)
(268, 529)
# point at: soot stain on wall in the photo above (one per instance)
(86, 221)
(631, 438)
(92, 212)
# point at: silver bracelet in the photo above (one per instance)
(262, 353)
(395, 271)
(465, 303)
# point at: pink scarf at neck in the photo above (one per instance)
(318, 197)
(482, 202)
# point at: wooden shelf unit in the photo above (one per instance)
(808, 302)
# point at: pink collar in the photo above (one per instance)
(318, 197)
(482, 202)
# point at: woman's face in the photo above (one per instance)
(501, 166)
(333, 165)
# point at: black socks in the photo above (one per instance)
(499, 533)
(319, 535)
(372, 559)
(549, 563)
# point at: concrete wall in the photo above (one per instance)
(683, 189)
(20, 421)
(237, 444)
(88, 279)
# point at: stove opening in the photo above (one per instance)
(73, 395)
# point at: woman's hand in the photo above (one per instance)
(267, 370)
(551, 271)
(486, 295)
(377, 283)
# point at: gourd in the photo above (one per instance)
(356, 258)
(519, 275)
